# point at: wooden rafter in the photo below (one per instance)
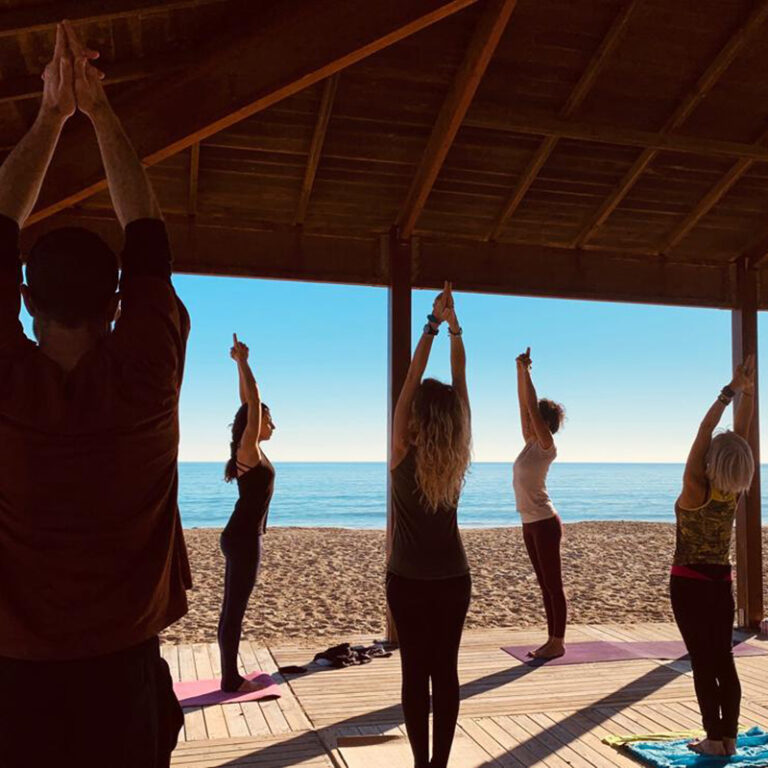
(316, 147)
(713, 196)
(31, 86)
(215, 247)
(323, 38)
(576, 97)
(194, 178)
(686, 107)
(535, 124)
(38, 18)
(481, 48)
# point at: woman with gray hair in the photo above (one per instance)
(719, 469)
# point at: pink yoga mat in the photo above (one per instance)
(603, 650)
(203, 693)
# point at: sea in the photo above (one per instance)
(353, 495)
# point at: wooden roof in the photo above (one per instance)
(586, 148)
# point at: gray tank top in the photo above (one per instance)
(426, 544)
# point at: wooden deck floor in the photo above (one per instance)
(512, 715)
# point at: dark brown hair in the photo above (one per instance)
(553, 413)
(238, 428)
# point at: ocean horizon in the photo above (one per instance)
(353, 494)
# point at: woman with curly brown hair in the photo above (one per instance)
(542, 529)
(428, 581)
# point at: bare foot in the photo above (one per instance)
(708, 747)
(552, 649)
(249, 686)
(730, 747)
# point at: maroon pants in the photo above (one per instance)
(542, 540)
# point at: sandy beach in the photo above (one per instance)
(329, 582)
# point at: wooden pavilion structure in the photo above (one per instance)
(591, 149)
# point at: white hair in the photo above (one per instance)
(730, 464)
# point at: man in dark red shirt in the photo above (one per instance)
(92, 558)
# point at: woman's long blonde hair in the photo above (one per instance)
(442, 437)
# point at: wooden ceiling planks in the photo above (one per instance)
(323, 40)
(701, 199)
(600, 58)
(684, 109)
(481, 48)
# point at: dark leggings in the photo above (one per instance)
(704, 615)
(239, 579)
(542, 540)
(429, 617)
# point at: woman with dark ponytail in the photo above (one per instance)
(241, 539)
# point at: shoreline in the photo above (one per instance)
(328, 583)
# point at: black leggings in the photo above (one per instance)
(429, 617)
(542, 540)
(704, 614)
(239, 579)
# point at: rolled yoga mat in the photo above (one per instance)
(203, 693)
(604, 650)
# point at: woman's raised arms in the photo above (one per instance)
(695, 483)
(537, 425)
(249, 452)
(400, 424)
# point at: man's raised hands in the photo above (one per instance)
(58, 80)
(89, 91)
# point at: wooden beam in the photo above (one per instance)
(399, 257)
(289, 47)
(577, 96)
(686, 107)
(749, 554)
(316, 148)
(194, 178)
(509, 120)
(705, 205)
(207, 246)
(486, 37)
(38, 18)
(31, 86)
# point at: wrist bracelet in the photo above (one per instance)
(430, 330)
(723, 399)
(432, 319)
(728, 392)
(456, 333)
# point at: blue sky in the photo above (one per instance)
(635, 379)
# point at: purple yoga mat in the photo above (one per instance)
(575, 653)
(603, 650)
(675, 649)
(203, 693)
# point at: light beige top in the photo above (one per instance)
(530, 482)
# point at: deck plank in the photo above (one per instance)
(512, 715)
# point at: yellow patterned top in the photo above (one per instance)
(704, 534)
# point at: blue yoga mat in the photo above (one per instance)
(752, 753)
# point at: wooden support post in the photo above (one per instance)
(399, 259)
(749, 553)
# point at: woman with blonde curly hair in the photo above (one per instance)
(428, 581)
(719, 469)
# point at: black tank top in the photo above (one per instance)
(256, 486)
(426, 544)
